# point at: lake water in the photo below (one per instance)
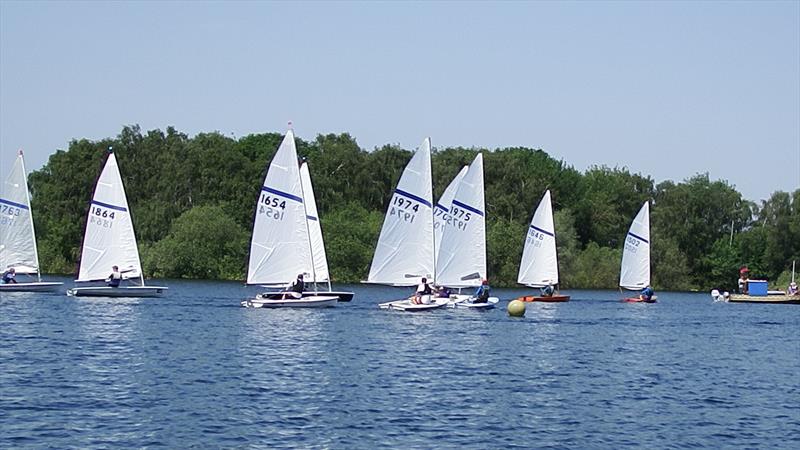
(194, 369)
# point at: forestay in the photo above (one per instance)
(17, 238)
(462, 255)
(441, 211)
(635, 271)
(539, 266)
(404, 253)
(280, 247)
(109, 239)
(318, 256)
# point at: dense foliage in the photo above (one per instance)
(192, 203)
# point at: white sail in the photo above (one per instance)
(280, 247)
(109, 239)
(635, 271)
(404, 253)
(17, 237)
(441, 211)
(319, 258)
(539, 265)
(462, 255)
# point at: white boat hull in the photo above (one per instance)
(122, 291)
(465, 301)
(407, 305)
(341, 296)
(312, 301)
(37, 286)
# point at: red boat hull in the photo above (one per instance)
(550, 299)
(637, 300)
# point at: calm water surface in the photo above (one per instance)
(194, 369)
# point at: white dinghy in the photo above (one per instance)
(281, 244)
(634, 272)
(110, 241)
(18, 249)
(404, 254)
(461, 262)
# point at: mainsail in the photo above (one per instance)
(280, 248)
(635, 270)
(441, 211)
(404, 253)
(462, 255)
(17, 237)
(539, 265)
(318, 256)
(109, 239)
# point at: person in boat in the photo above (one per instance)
(646, 294)
(10, 276)
(423, 289)
(547, 291)
(115, 278)
(792, 289)
(482, 293)
(744, 275)
(442, 292)
(297, 288)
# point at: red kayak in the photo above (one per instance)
(539, 298)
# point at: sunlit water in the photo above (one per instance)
(194, 369)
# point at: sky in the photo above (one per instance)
(666, 89)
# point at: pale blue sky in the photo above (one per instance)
(667, 89)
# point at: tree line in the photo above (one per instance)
(192, 200)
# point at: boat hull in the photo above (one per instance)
(39, 286)
(311, 301)
(638, 300)
(341, 296)
(467, 304)
(123, 291)
(406, 305)
(539, 298)
(769, 299)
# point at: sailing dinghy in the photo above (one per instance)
(281, 246)
(635, 269)
(461, 262)
(110, 241)
(18, 249)
(539, 265)
(404, 254)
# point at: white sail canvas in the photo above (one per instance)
(109, 239)
(635, 270)
(539, 265)
(280, 247)
(404, 253)
(462, 255)
(319, 257)
(441, 211)
(17, 238)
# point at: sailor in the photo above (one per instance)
(423, 289)
(482, 293)
(547, 291)
(297, 288)
(9, 276)
(646, 294)
(114, 279)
